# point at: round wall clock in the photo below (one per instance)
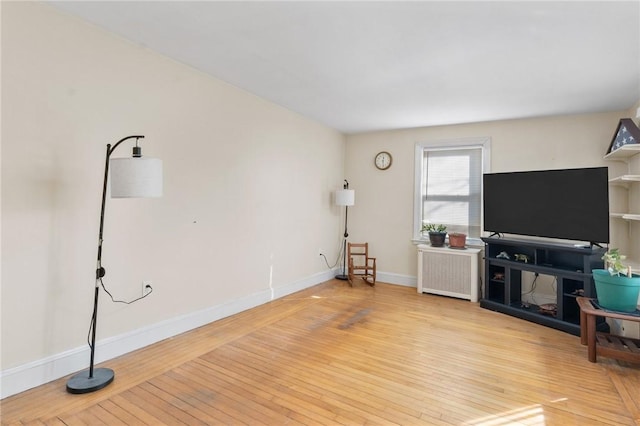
(383, 160)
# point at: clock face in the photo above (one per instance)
(383, 160)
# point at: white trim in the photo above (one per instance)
(484, 142)
(469, 243)
(397, 279)
(36, 373)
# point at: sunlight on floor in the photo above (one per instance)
(304, 298)
(532, 415)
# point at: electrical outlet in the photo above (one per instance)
(146, 287)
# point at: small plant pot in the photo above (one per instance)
(437, 238)
(457, 240)
(616, 293)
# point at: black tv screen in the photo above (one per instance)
(571, 204)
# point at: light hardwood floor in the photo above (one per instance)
(335, 355)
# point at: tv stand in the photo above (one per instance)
(571, 265)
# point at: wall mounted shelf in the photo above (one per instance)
(623, 153)
(625, 180)
(625, 216)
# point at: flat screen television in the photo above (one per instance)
(569, 204)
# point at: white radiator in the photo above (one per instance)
(448, 272)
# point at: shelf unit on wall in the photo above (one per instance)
(626, 181)
(623, 153)
(630, 154)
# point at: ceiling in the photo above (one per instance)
(363, 66)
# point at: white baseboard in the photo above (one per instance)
(36, 373)
(398, 279)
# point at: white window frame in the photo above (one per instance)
(484, 143)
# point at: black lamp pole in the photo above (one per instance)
(97, 378)
(344, 276)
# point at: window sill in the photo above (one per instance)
(471, 242)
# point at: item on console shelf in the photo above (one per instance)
(522, 258)
(549, 309)
(503, 255)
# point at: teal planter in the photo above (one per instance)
(616, 293)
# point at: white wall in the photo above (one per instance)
(383, 214)
(633, 196)
(247, 195)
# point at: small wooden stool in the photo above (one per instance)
(605, 344)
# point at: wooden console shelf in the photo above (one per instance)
(609, 345)
(571, 265)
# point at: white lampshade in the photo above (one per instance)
(345, 197)
(136, 177)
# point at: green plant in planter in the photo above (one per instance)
(616, 287)
(432, 227)
(437, 233)
(613, 263)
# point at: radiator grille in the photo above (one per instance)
(448, 272)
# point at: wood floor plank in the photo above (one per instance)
(105, 416)
(328, 387)
(288, 400)
(201, 399)
(221, 400)
(258, 408)
(300, 397)
(337, 379)
(121, 414)
(142, 414)
(339, 355)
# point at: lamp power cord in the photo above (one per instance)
(114, 300)
(124, 301)
(338, 257)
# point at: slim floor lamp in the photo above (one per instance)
(130, 177)
(345, 197)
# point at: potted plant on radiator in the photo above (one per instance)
(457, 240)
(617, 287)
(437, 233)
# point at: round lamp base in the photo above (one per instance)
(82, 383)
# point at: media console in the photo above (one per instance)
(571, 265)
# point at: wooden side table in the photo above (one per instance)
(605, 344)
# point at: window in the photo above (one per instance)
(448, 187)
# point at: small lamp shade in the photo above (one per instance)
(345, 197)
(133, 177)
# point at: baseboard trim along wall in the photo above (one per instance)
(397, 279)
(36, 373)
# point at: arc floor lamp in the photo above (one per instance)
(345, 197)
(130, 178)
